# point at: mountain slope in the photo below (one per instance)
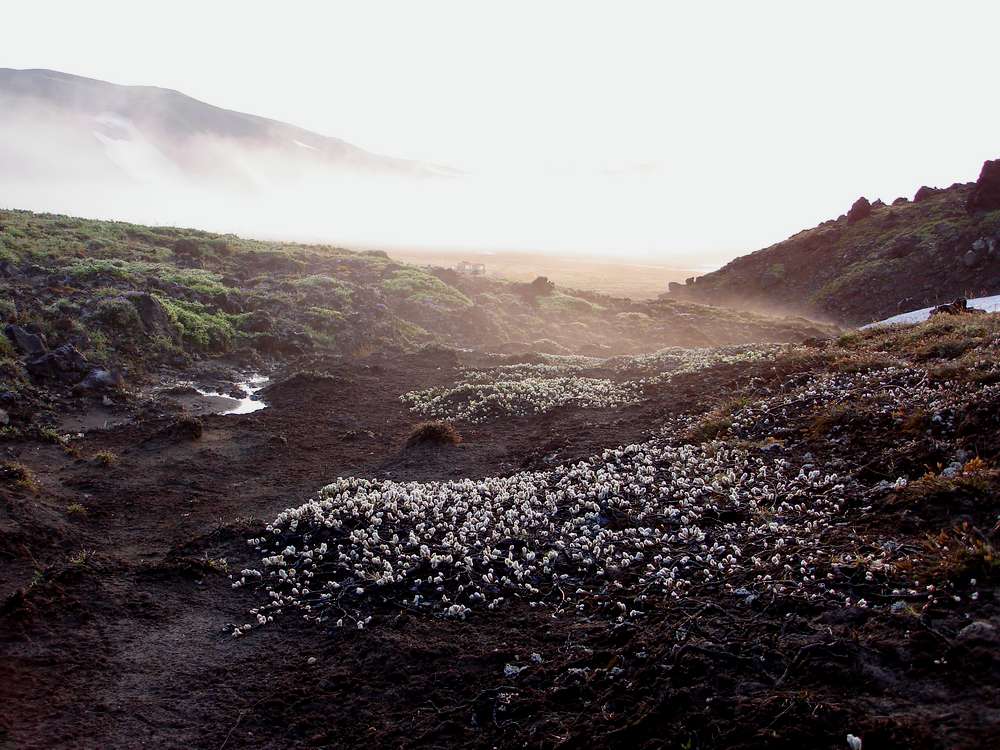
(58, 125)
(873, 262)
(66, 279)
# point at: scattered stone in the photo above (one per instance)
(985, 195)
(4, 418)
(25, 341)
(512, 670)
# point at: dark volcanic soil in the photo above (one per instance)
(112, 629)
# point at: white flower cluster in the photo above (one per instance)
(645, 520)
(480, 402)
(677, 359)
(535, 388)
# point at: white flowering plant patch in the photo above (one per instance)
(526, 389)
(478, 402)
(647, 520)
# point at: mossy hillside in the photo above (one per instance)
(904, 256)
(68, 279)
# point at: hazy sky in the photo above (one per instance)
(710, 128)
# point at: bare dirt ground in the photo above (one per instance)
(113, 617)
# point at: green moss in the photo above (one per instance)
(333, 290)
(417, 287)
(201, 329)
(119, 315)
(137, 272)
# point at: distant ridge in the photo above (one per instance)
(58, 125)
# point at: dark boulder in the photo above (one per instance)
(155, 319)
(985, 196)
(924, 193)
(64, 363)
(900, 201)
(861, 209)
(99, 380)
(25, 341)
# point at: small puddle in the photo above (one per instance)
(226, 404)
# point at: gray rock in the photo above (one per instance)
(979, 245)
(25, 341)
(99, 380)
(978, 631)
(4, 418)
(970, 259)
(63, 363)
(952, 470)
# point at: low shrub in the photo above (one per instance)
(433, 433)
(18, 476)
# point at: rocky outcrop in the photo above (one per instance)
(861, 209)
(924, 193)
(985, 195)
(872, 262)
(25, 341)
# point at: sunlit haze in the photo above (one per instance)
(689, 133)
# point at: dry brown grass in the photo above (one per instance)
(106, 458)
(18, 476)
(433, 433)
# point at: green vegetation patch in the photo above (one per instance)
(418, 287)
(200, 327)
(136, 272)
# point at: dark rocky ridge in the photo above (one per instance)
(875, 261)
